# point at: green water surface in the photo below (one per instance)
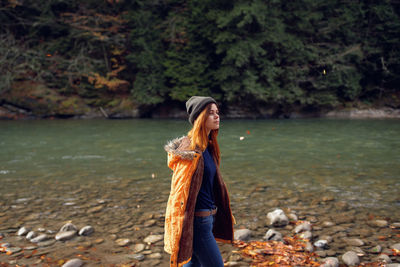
(357, 159)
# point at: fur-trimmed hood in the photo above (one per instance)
(180, 147)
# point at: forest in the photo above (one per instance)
(66, 58)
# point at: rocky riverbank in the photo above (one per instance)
(120, 223)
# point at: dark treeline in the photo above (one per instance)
(303, 53)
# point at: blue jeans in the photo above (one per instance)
(205, 249)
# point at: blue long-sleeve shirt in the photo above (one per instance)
(205, 198)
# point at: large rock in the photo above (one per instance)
(277, 218)
(242, 234)
(350, 258)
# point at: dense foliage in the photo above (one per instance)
(303, 53)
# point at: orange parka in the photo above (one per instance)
(188, 166)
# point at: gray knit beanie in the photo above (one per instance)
(196, 104)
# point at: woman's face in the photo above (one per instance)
(212, 122)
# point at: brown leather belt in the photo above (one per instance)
(205, 213)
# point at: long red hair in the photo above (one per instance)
(198, 135)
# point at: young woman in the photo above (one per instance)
(198, 210)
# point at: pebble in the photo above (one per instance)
(99, 241)
(393, 265)
(13, 249)
(350, 258)
(377, 249)
(95, 209)
(149, 223)
(395, 246)
(305, 226)
(31, 235)
(384, 258)
(322, 244)
(86, 231)
(68, 227)
(305, 235)
(23, 231)
(354, 242)
(273, 235)
(156, 255)
(62, 236)
(277, 218)
(30, 248)
(379, 223)
(40, 238)
(73, 263)
(153, 238)
(123, 242)
(138, 257)
(395, 225)
(46, 243)
(309, 247)
(293, 217)
(330, 262)
(242, 234)
(232, 263)
(139, 247)
(328, 224)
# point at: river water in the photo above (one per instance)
(52, 171)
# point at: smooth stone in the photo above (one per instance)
(99, 241)
(354, 242)
(149, 223)
(395, 225)
(330, 262)
(138, 257)
(384, 258)
(23, 231)
(87, 230)
(139, 248)
(232, 263)
(13, 249)
(393, 265)
(277, 218)
(328, 198)
(153, 238)
(328, 224)
(30, 248)
(242, 234)
(350, 258)
(273, 235)
(123, 242)
(46, 243)
(322, 244)
(31, 235)
(377, 249)
(293, 217)
(156, 255)
(321, 253)
(328, 238)
(379, 223)
(306, 226)
(95, 209)
(395, 246)
(68, 227)
(305, 235)
(40, 238)
(73, 263)
(62, 236)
